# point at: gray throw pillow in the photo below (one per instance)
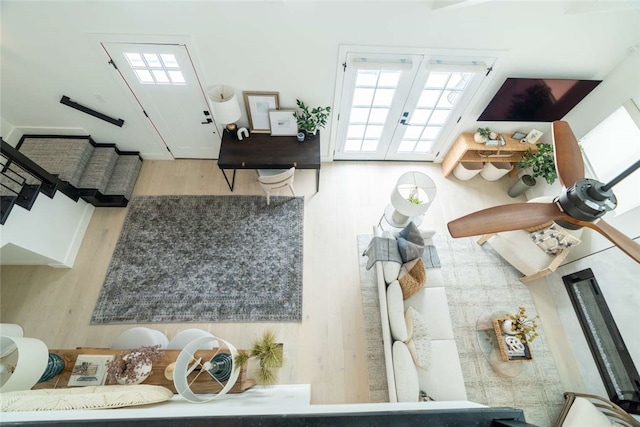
(410, 243)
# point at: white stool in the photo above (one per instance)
(466, 171)
(183, 338)
(139, 336)
(495, 171)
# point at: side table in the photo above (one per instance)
(488, 343)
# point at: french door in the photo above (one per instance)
(164, 82)
(401, 107)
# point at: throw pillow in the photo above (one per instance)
(420, 343)
(553, 239)
(410, 243)
(412, 277)
(395, 310)
(406, 375)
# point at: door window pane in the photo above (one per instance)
(359, 115)
(363, 97)
(151, 68)
(378, 115)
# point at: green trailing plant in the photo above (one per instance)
(484, 132)
(268, 354)
(525, 328)
(541, 162)
(311, 119)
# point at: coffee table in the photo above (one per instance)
(488, 343)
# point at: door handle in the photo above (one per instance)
(207, 122)
(405, 116)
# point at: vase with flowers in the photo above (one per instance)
(133, 366)
(521, 325)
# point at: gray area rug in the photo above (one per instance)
(206, 259)
(478, 282)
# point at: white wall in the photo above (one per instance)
(49, 234)
(285, 46)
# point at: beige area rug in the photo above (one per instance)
(478, 282)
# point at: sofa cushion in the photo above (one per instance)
(443, 380)
(395, 310)
(432, 304)
(419, 342)
(412, 277)
(407, 385)
(553, 239)
(410, 243)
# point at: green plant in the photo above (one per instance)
(311, 119)
(123, 366)
(269, 355)
(541, 162)
(524, 327)
(484, 132)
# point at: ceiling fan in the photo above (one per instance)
(582, 202)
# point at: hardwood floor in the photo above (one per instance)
(327, 348)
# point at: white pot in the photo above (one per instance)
(142, 373)
(506, 327)
(479, 138)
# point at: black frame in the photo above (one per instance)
(631, 400)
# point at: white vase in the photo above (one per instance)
(506, 327)
(479, 138)
(142, 373)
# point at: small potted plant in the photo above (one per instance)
(520, 325)
(481, 135)
(133, 366)
(268, 354)
(310, 120)
(541, 162)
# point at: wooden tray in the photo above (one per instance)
(497, 327)
(203, 384)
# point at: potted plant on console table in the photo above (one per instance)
(310, 120)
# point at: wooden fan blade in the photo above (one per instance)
(625, 243)
(568, 157)
(516, 216)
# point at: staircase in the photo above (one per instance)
(79, 167)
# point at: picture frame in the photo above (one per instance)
(518, 135)
(258, 105)
(533, 136)
(89, 370)
(283, 123)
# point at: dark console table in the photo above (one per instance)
(262, 151)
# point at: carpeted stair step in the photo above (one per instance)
(124, 176)
(99, 169)
(65, 157)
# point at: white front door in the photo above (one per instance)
(164, 82)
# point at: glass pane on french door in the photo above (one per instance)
(430, 113)
(372, 99)
(371, 104)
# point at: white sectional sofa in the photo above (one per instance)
(442, 379)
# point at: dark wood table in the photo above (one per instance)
(263, 151)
